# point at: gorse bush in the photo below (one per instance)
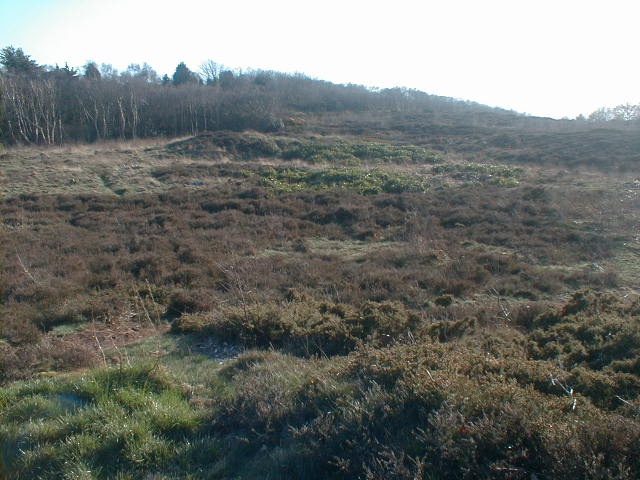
(401, 396)
(593, 330)
(252, 145)
(504, 176)
(364, 181)
(418, 410)
(241, 146)
(344, 152)
(479, 169)
(304, 327)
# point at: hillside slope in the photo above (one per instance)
(358, 294)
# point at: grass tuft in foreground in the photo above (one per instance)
(107, 423)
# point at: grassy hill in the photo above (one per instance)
(447, 293)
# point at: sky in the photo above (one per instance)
(553, 58)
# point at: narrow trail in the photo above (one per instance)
(108, 342)
(101, 337)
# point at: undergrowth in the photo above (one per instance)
(304, 327)
(400, 396)
(340, 151)
(363, 181)
(355, 153)
(502, 175)
(328, 321)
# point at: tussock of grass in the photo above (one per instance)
(114, 422)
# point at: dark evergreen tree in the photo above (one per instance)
(184, 75)
(91, 71)
(227, 79)
(65, 73)
(14, 60)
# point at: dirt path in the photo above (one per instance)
(106, 338)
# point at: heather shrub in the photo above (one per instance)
(353, 153)
(398, 331)
(363, 181)
(49, 354)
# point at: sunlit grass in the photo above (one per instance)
(108, 421)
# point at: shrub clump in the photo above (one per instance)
(354, 153)
(360, 180)
(305, 327)
(415, 410)
(499, 175)
(594, 330)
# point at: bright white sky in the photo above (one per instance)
(543, 57)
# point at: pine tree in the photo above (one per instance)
(91, 71)
(14, 60)
(184, 75)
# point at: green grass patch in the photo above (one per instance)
(108, 423)
(361, 180)
(354, 153)
(187, 360)
(501, 175)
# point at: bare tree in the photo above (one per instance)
(210, 71)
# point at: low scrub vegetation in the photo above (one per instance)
(364, 181)
(332, 151)
(472, 172)
(356, 153)
(304, 327)
(245, 305)
(456, 398)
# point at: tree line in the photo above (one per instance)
(53, 105)
(624, 113)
